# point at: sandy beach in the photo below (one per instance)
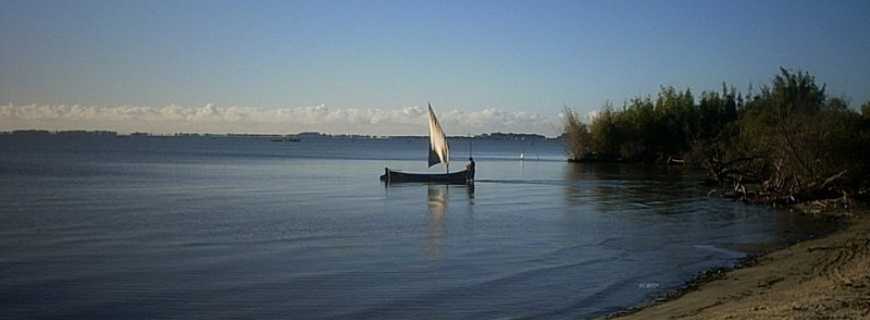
(824, 278)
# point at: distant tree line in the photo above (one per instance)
(35, 132)
(789, 142)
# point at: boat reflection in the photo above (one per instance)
(437, 203)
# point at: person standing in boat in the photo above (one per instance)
(470, 168)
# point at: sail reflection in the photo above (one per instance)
(437, 203)
(436, 233)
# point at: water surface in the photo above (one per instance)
(150, 227)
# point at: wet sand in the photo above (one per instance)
(824, 278)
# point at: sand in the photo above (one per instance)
(824, 278)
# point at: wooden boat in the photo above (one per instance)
(439, 152)
(458, 177)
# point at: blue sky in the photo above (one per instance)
(471, 58)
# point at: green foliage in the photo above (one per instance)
(805, 136)
(578, 139)
(607, 136)
(790, 136)
(653, 130)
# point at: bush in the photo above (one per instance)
(577, 138)
(791, 139)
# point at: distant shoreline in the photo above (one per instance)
(485, 136)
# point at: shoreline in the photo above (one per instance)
(817, 278)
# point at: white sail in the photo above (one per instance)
(438, 150)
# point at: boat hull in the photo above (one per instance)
(459, 177)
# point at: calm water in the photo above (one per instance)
(147, 227)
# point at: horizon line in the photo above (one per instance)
(104, 132)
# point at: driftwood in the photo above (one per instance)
(824, 190)
(754, 183)
(723, 172)
(833, 178)
(675, 162)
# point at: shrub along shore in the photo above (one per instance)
(787, 143)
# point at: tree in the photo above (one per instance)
(804, 137)
(578, 139)
(865, 110)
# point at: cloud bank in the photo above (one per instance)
(234, 119)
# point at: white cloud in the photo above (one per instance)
(219, 119)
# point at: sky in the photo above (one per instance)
(370, 67)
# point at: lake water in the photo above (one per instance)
(151, 227)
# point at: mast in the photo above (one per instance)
(470, 146)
